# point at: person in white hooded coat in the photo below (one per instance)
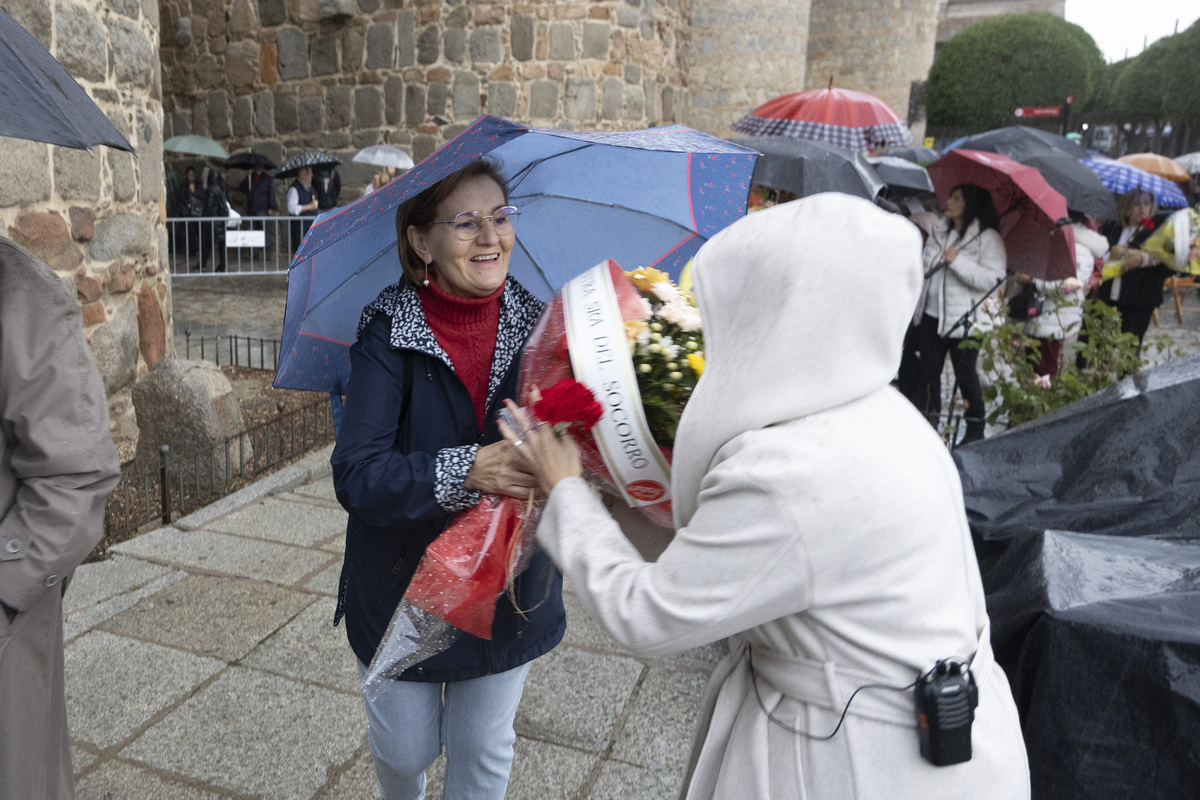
(820, 526)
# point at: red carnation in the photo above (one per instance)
(1148, 223)
(569, 402)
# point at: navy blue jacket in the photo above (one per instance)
(399, 472)
(260, 194)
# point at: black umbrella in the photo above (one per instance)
(902, 174)
(309, 158)
(917, 155)
(1018, 142)
(806, 167)
(249, 161)
(1078, 184)
(41, 101)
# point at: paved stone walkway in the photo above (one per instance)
(201, 664)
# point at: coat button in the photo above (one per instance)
(51, 580)
(13, 546)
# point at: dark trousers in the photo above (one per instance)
(933, 350)
(1049, 351)
(212, 245)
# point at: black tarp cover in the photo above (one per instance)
(1100, 637)
(1086, 526)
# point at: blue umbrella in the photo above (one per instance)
(648, 197)
(1119, 178)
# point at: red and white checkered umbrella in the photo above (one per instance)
(841, 117)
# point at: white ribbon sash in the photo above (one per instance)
(601, 360)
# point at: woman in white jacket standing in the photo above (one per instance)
(1062, 306)
(820, 526)
(964, 260)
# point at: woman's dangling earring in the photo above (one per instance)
(426, 281)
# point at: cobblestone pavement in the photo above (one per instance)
(201, 663)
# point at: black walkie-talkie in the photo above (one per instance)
(946, 700)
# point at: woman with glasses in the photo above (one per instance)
(437, 353)
(1138, 289)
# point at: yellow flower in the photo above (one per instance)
(644, 278)
(696, 362)
(633, 329)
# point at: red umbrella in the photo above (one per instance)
(841, 117)
(1033, 216)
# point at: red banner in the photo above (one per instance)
(1038, 111)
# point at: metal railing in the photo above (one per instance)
(225, 349)
(242, 246)
(149, 495)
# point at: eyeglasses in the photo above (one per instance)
(468, 224)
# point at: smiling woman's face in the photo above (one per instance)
(473, 268)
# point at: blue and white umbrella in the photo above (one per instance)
(644, 198)
(1119, 178)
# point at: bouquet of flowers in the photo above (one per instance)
(634, 339)
(1175, 241)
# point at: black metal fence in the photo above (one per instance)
(255, 352)
(149, 495)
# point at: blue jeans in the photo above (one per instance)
(411, 722)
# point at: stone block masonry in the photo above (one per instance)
(96, 218)
(283, 76)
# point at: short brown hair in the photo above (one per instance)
(421, 209)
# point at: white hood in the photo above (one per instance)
(1096, 244)
(805, 307)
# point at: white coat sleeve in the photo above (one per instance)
(982, 271)
(293, 203)
(739, 563)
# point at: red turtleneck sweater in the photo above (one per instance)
(466, 329)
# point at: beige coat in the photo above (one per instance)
(57, 466)
(820, 526)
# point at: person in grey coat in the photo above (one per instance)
(57, 466)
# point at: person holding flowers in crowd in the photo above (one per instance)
(1062, 308)
(819, 525)
(1133, 277)
(436, 354)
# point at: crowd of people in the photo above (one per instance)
(204, 204)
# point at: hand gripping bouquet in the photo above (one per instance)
(632, 342)
(1175, 242)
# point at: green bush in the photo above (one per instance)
(995, 66)
(1007, 359)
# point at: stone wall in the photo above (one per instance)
(958, 15)
(742, 53)
(340, 75)
(95, 218)
(873, 47)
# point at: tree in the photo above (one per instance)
(1181, 77)
(1000, 64)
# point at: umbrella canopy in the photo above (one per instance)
(196, 146)
(1158, 165)
(309, 158)
(384, 155)
(1019, 142)
(841, 117)
(645, 197)
(1190, 163)
(1119, 178)
(1079, 185)
(1033, 217)
(902, 174)
(249, 160)
(917, 155)
(805, 167)
(41, 100)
